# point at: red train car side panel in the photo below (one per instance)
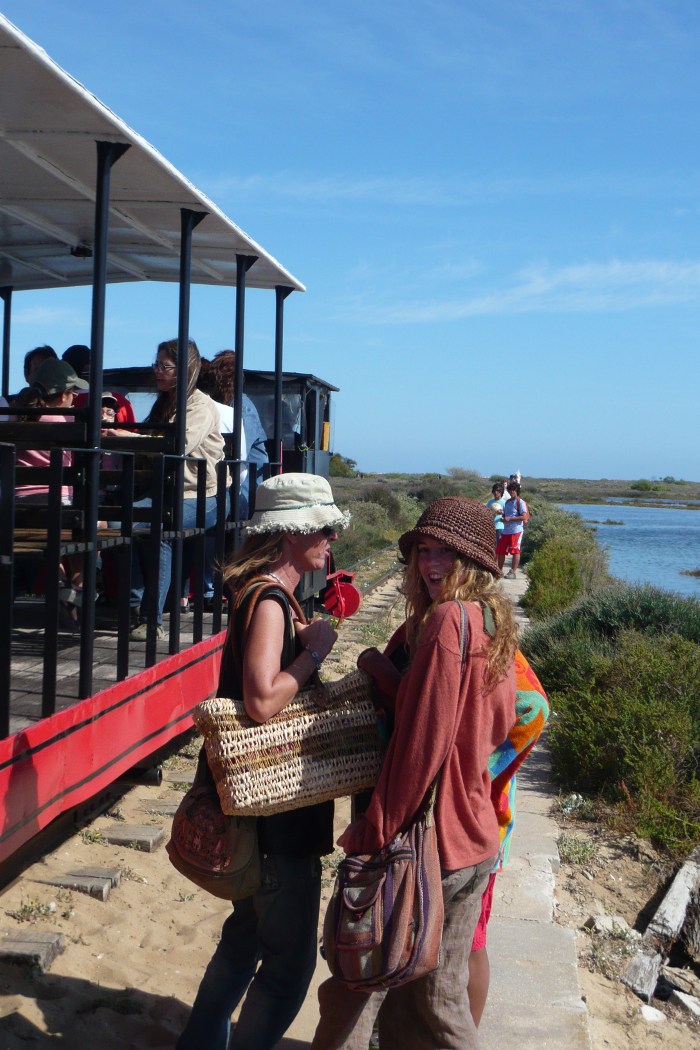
(64, 760)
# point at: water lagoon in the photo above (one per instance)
(652, 545)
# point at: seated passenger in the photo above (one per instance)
(33, 360)
(203, 440)
(54, 386)
(78, 356)
(216, 378)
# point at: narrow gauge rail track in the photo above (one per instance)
(377, 576)
(371, 572)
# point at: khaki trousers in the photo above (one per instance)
(431, 1013)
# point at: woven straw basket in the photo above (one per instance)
(322, 745)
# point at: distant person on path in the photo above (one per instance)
(495, 505)
(450, 716)
(515, 513)
(268, 948)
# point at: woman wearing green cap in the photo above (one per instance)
(54, 385)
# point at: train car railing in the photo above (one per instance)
(32, 549)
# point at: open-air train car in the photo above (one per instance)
(84, 200)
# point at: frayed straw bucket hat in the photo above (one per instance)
(462, 524)
(295, 503)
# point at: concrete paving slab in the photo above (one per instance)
(179, 776)
(99, 888)
(162, 809)
(36, 948)
(144, 837)
(113, 875)
(534, 999)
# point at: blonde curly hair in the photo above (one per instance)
(467, 582)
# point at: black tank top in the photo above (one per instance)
(306, 832)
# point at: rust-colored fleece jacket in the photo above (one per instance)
(443, 716)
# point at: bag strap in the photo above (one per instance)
(260, 585)
(432, 796)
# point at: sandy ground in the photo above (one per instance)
(617, 876)
(131, 965)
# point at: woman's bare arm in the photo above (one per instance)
(267, 689)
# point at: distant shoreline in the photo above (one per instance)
(632, 492)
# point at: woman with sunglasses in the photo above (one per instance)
(268, 948)
(203, 440)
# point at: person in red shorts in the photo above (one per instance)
(515, 513)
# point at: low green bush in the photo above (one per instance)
(563, 560)
(369, 530)
(378, 518)
(622, 668)
(609, 610)
(428, 487)
(649, 486)
(554, 579)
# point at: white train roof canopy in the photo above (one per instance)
(49, 124)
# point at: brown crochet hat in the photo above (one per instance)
(462, 524)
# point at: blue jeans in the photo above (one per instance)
(189, 520)
(276, 928)
(209, 555)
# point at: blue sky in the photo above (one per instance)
(495, 208)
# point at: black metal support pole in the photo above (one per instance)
(108, 153)
(281, 293)
(243, 264)
(188, 221)
(6, 296)
(7, 566)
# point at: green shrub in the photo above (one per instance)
(609, 610)
(622, 668)
(428, 487)
(382, 496)
(573, 850)
(554, 579)
(648, 486)
(342, 467)
(464, 474)
(409, 513)
(563, 560)
(369, 531)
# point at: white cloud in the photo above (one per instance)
(47, 315)
(457, 190)
(586, 287)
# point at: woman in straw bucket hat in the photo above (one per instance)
(290, 533)
(454, 696)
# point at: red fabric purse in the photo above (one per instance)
(383, 925)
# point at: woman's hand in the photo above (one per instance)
(350, 834)
(317, 635)
(385, 676)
